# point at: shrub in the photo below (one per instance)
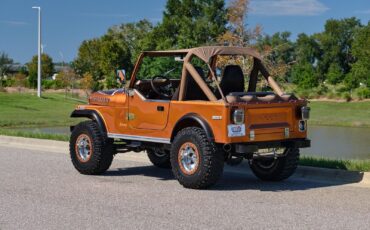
(347, 96)
(48, 84)
(363, 93)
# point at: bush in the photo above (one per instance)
(302, 93)
(10, 82)
(347, 96)
(48, 84)
(363, 93)
(322, 90)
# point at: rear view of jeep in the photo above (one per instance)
(199, 109)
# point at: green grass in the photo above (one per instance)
(350, 165)
(26, 110)
(355, 114)
(18, 133)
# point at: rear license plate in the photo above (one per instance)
(236, 130)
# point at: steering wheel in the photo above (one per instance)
(165, 89)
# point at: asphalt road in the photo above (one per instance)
(41, 190)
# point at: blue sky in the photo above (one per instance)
(67, 23)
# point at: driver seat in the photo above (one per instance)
(192, 89)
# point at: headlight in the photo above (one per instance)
(305, 112)
(238, 116)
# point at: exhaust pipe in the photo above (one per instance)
(227, 147)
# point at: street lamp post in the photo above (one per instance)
(39, 54)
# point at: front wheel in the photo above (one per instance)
(195, 161)
(91, 152)
(276, 169)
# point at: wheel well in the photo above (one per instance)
(192, 120)
(92, 115)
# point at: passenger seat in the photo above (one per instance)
(232, 80)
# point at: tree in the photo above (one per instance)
(336, 44)
(306, 49)
(87, 83)
(47, 69)
(5, 63)
(190, 23)
(360, 69)
(237, 33)
(278, 53)
(66, 77)
(134, 36)
(88, 59)
(334, 74)
(99, 57)
(20, 81)
(304, 75)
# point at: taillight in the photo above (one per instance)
(238, 116)
(305, 112)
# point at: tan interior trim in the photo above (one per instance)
(216, 82)
(274, 86)
(183, 79)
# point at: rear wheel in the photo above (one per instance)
(195, 161)
(159, 157)
(271, 169)
(91, 152)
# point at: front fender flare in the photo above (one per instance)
(91, 114)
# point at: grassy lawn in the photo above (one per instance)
(26, 110)
(340, 113)
(350, 165)
(20, 133)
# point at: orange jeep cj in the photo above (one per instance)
(192, 110)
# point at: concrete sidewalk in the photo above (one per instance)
(335, 176)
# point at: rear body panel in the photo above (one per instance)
(271, 121)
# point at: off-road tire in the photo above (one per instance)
(211, 161)
(283, 167)
(158, 160)
(102, 149)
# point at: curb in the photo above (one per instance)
(334, 176)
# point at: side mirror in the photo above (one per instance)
(121, 76)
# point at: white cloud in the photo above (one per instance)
(287, 7)
(13, 23)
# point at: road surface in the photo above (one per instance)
(40, 189)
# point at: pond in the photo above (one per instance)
(339, 142)
(327, 141)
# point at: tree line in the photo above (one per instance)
(338, 57)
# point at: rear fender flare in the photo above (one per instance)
(193, 119)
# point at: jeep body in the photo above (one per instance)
(236, 119)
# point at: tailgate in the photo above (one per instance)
(269, 120)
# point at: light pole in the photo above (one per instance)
(39, 54)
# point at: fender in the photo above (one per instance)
(193, 119)
(91, 114)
